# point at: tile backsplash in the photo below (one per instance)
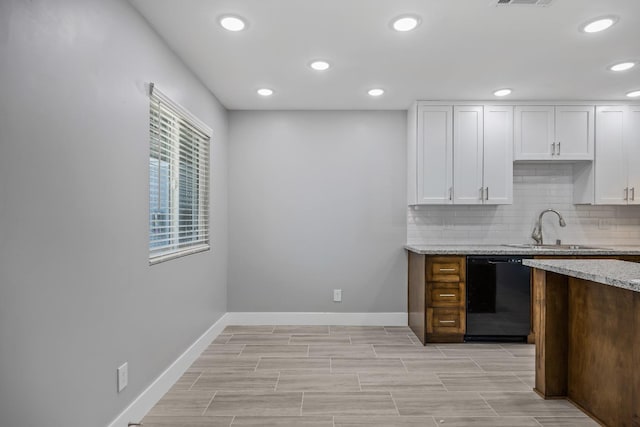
(535, 187)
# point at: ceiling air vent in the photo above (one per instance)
(540, 3)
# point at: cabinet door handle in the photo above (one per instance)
(633, 193)
(447, 269)
(450, 193)
(553, 148)
(482, 193)
(447, 321)
(447, 295)
(626, 193)
(486, 196)
(558, 148)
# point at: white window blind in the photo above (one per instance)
(178, 180)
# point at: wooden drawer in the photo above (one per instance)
(446, 321)
(445, 294)
(445, 269)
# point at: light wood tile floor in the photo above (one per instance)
(357, 376)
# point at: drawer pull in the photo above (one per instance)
(447, 269)
(447, 321)
(447, 295)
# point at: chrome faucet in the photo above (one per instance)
(537, 230)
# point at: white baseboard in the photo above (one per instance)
(313, 318)
(152, 394)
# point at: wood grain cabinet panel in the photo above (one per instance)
(446, 298)
(535, 287)
(416, 295)
(447, 321)
(446, 269)
(445, 294)
(588, 347)
(437, 297)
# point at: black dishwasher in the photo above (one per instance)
(498, 298)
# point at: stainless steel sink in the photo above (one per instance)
(546, 247)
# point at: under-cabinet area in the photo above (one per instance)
(439, 292)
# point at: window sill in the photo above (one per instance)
(178, 254)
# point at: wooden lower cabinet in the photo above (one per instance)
(535, 307)
(588, 347)
(437, 297)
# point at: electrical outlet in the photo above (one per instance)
(123, 376)
(337, 295)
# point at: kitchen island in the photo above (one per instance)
(588, 336)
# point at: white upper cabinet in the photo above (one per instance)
(574, 132)
(498, 155)
(534, 132)
(482, 153)
(617, 173)
(460, 154)
(632, 150)
(468, 141)
(430, 155)
(554, 133)
(610, 163)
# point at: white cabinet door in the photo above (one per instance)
(554, 133)
(574, 133)
(534, 132)
(434, 154)
(610, 159)
(632, 154)
(498, 155)
(468, 137)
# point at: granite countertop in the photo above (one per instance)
(505, 249)
(621, 274)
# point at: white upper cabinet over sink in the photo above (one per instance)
(554, 132)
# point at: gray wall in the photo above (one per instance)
(77, 296)
(316, 202)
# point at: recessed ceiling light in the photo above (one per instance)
(405, 23)
(599, 24)
(375, 92)
(320, 65)
(633, 94)
(502, 92)
(232, 23)
(622, 66)
(265, 92)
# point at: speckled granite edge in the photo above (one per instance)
(620, 274)
(510, 250)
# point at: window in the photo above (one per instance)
(178, 181)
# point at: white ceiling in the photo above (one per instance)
(463, 50)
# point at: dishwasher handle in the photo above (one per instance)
(507, 261)
(494, 261)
